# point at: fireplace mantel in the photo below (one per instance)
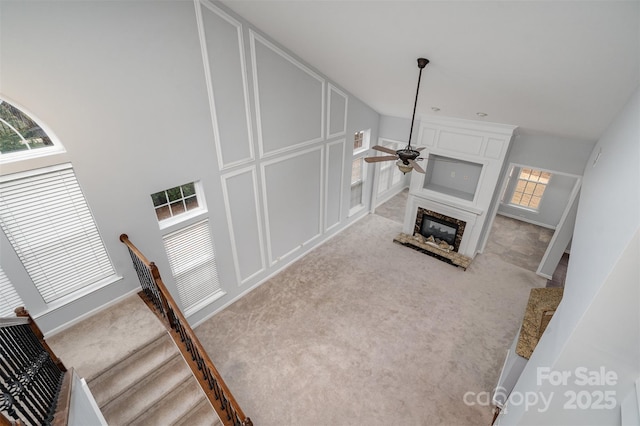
(461, 181)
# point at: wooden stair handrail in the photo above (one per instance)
(170, 305)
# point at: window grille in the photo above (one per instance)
(175, 201)
(530, 188)
(21, 137)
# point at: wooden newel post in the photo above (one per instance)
(22, 312)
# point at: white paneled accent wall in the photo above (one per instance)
(240, 190)
(334, 184)
(337, 114)
(293, 201)
(194, 93)
(289, 99)
(226, 76)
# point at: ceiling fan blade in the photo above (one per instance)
(383, 149)
(381, 158)
(420, 148)
(416, 166)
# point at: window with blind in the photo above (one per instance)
(9, 298)
(47, 220)
(193, 264)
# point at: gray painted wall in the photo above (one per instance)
(597, 323)
(125, 87)
(397, 128)
(558, 155)
(550, 152)
(553, 205)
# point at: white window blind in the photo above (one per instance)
(48, 222)
(9, 299)
(193, 265)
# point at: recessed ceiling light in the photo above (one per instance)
(435, 109)
(481, 114)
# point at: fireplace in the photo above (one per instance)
(439, 230)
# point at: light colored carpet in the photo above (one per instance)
(365, 331)
(519, 243)
(96, 343)
(394, 208)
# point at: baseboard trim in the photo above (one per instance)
(274, 273)
(90, 313)
(524, 219)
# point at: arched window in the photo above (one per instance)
(20, 135)
(45, 221)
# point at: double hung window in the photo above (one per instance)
(358, 171)
(529, 187)
(189, 246)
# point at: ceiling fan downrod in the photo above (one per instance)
(422, 62)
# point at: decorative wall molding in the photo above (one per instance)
(222, 164)
(273, 259)
(335, 92)
(339, 145)
(232, 226)
(254, 39)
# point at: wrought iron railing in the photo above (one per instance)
(155, 295)
(34, 385)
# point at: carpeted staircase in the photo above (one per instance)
(152, 386)
(133, 368)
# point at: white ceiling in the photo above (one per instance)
(557, 67)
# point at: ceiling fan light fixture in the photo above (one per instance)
(404, 168)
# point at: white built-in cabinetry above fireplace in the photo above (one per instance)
(465, 163)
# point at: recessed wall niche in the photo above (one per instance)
(453, 177)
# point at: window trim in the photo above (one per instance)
(181, 270)
(366, 142)
(79, 292)
(29, 154)
(359, 154)
(9, 296)
(512, 181)
(172, 221)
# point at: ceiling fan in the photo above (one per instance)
(407, 157)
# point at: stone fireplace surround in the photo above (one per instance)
(416, 204)
(416, 207)
(459, 225)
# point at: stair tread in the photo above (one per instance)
(201, 415)
(137, 398)
(112, 383)
(106, 338)
(175, 406)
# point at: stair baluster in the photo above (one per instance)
(159, 300)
